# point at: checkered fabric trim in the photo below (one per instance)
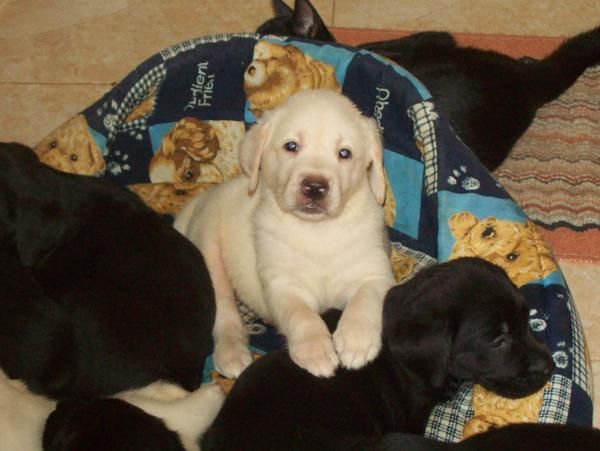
(248, 315)
(191, 44)
(555, 405)
(448, 419)
(578, 352)
(422, 260)
(423, 116)
(250, 319)
(134, 97)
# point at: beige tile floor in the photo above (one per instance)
(56, 57)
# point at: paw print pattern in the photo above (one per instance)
(561, 359)
(117, 167)
(536, 324)
(467, 182)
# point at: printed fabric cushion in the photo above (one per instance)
(170, 129)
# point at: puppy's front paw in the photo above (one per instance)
(356, 343)
(231, 357)
(315, 353)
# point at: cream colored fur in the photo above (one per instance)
(23, 414)
(288, 258)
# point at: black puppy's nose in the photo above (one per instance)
(315, 187)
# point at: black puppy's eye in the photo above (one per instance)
(344, 154)
(489, 232)
(73, 157)
(291, 146)
(512, 256)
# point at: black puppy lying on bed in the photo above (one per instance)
(106, 424)
(99, 293)
(525, 436)
(488, 98)
(458, 320)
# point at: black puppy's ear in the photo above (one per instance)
(281, 9)
(425, 349)
(307, 23)
(39, 225)
(418, 328)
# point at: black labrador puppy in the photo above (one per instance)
(461, 320)
(526, 436)
(99, 293)
(488, 98)
(106, 424)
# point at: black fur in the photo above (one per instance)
(303, 21)
(99, 293)
(458, 320)
(106, 424)
(490, 99)
(529, 437)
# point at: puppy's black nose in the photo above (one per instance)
(315, 187)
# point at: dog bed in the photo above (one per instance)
(171, 127)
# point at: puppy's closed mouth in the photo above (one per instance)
(312, 208)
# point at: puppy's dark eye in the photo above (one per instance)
(53, 144)
(291, 146)
(345, 154)
(180, 192)
(512, 256)
(489, 232)
(188, 175)
(73, 157)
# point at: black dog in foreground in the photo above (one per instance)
(517, 437)
(106, 424)
(461, 320)
(488, 98)
(99, 293)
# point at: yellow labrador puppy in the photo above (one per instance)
(300, 232)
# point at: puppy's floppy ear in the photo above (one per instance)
(425, 348)
(376, 171)
(251, 151)
(416, 333)
(40, 225)
(39, 218)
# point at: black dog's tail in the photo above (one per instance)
(550, 77)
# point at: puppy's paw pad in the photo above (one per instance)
(357, 345)
(315, 354)
(231, 358)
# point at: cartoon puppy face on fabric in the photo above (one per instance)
(197, 151)
(518, 248)
(185, 154)
(71, 148)
(278, 71)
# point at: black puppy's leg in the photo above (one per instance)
(35, 335)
